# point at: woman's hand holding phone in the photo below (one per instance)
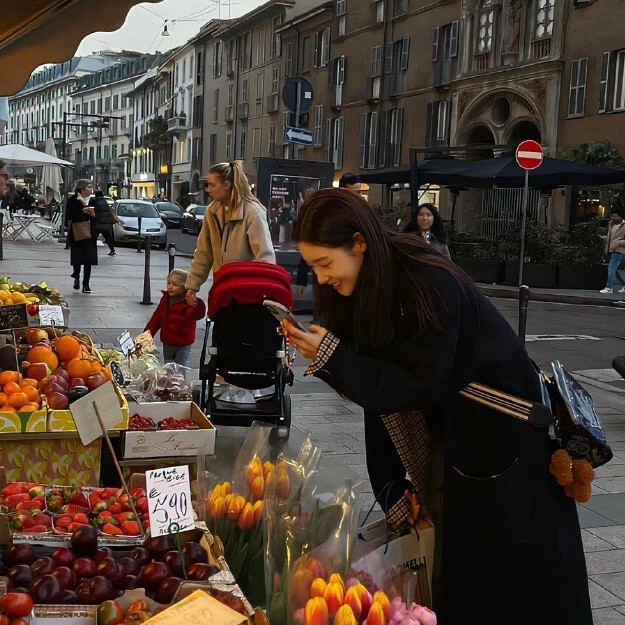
(306, 342)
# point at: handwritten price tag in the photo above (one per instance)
(169, 499)
(51, 315)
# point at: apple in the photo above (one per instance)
(53, 387)
(38, 371)
(57, 401)
(108, 568)
(200, 571)
(62, 373)
(44, 343)
(84, 567)
(95, 380)
(43, 566)
(76, 382)
(141, 555)
(21, 575)
(46, 589)
(158, 546)
(168, 589)
(172, 560)
(36, 335)
(22, 553)
(130, 582)
(103, 553)
(66, 576)
(63, 557)
(68, 596)
(153, 574)
(194, 553)
(128, 566)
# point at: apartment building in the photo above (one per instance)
(102, 118)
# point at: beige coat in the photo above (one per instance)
(616, 238)
(227, 235)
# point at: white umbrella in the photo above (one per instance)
(16, 154)
(51, 175)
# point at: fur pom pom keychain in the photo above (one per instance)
(575, 476)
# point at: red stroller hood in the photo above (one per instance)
(249, 282)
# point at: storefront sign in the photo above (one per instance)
(287, 194)
(169, 500)
(13, 317)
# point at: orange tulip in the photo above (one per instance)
(221, 490)
(283, 485)
(352, 599)
(345, 616)
(318, 587)
(335, 578)
(258, 512)
(268, 467)
(334, 596)
(310, 564)
(299, 588)
(237, 502)
(246, 518)
(316, 612)
(254, 469)
(257, 488)
(218, 508)
(381, 598)
(376, 615)
(365, 599)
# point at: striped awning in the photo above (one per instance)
(35, 32)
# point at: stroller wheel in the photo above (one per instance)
(285, 420)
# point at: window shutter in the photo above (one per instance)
(329, 139)
(373, 140)
(362, 135)
(573, 86)
(405, 49)
(388, 59)
(398, 137)
(453, 44)
(603, 90)
(316, 55)
(339, 144)
(428, 124)
(581, 92)
(341, 72)
(382, 140)
(448, 123)
(435, 39)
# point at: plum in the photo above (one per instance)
(168, 589)
(153, 574)
(22, 553)
(85, 541)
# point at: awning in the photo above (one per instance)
(20, 155)
(35, 32)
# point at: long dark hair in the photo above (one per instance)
(331, 218)
(437, 229)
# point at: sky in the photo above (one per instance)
(143, 28)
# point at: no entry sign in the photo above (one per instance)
(529, 155)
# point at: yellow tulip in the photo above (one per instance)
(254, 469)
(233, 510)
(316, 612)
(335, 578)
(352, 599)
(318, 587)
(381, 598)
(268, 467)
(246, 518)
(376, 615)
(258, 512)
(283, 485)
(218, 508)
(334, 596)
(345, 616)
(257, 488)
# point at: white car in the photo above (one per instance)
(127, 228)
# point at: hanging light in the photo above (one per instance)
(165, 32)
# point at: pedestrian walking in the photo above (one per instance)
(235, 227)
(614, 250)
(176, 319)
(82, 234)
(25, 201)
(12, 197)
(426, 222)
(104, 220)
(4, 180)
(401, 331)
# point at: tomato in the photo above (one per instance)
(16, 604)
(138, 606)
(18, 621)
(109, 613)
(4, 620)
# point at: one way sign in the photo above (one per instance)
(298, 135)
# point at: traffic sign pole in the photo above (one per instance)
(523, 226)
(298, 109)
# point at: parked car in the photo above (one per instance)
(170, 213)
(127, 228)
(109, 200)
(193, 218)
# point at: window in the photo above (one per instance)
(544, 19)
(115, 102)
(273, 131)
(184, 69)
(229, 144)
(244, 91)
(437, 128)
(619, 82)
(275, 79)
(368, 140)
(260, 85)
(199, 70)
(245, 51)
(400, 6)
(485, 31)
(341, 12)
(305, 64)
(106, 153)
(395, 64)
(92, 105)
(322, 48)
(318, 129)
(444, 49)
(289, 60)
(232, 56)
(216, 106)
(230, 95)
(212, 148)
(338, 80)
(379, 11)
(577, 91)
(276, 42)
(190, 67)
(198, 111)
(107, 104)
(397, 118)
(257, 138)
(604, 82)
(376, 61)
(217, 54)
(242, 143)
(334, 132)
(176, 76)
(114, 151)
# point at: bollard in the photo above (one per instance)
(1, 236)
(524, 299)
(171, 250)
(139, 238)
(147, 291)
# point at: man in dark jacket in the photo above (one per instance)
(104, 220)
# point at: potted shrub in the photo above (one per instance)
(580, 262)
(479, 258)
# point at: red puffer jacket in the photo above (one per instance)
(177, 322)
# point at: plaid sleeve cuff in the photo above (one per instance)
(328, 344)
(397, 516)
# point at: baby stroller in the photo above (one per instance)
(246, 349)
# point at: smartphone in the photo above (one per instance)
(281, 313)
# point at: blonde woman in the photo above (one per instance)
(235, 227)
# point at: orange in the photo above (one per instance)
(29, 408)
(32, 393)
(12, 387)
(43, 354)
(67, 347)
(29, 382)
(107, 374)
(82, 367)
(3, 399)
(8, 376)
(17, 400)
(7, 409)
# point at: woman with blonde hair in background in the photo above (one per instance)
(235, 227)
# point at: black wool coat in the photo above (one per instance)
(81, 252)
(508, 539)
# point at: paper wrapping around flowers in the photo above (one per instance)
(53, 461)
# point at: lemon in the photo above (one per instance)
(3, 295)
(5, 287)
(19, 298)
(10, 423)
(37, 422)
(9, 302)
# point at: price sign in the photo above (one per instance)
(126, 343)
(169, 499)
(13, 317)
(85, 417)
(51, 315)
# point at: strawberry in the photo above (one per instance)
(142, 505)
(105, 515)
(100, 507)
(74, 509)
(79, 499)
(115, 508)
(131, 528)
(62, 522)
(94, 500)
(112, 530)
(34, 504)
(146, 524)
(12, 489)
(28, 522)
(12, 500)
(81, 518)
(138, 492)
(42, 519)
(37, 529)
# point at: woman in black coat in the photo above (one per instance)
(401, 331)
(82, 253)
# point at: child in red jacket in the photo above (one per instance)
(176, 319)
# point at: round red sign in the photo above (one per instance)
(529, 154)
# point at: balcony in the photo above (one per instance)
(230, 113)
(540, 49)
(482, 62)
(177, 123)
(273, 103)
(244, 110)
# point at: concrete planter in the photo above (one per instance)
(587, 277)
(534, 275)
(482, 270)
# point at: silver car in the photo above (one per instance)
(127, 228)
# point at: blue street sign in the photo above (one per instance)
(300, 136)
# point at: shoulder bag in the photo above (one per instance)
(81, 230)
